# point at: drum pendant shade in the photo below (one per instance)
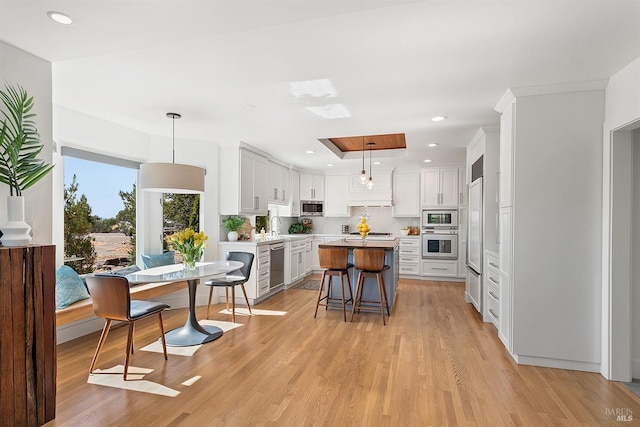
(171, 177)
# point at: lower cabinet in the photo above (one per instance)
(263, 262)
(308, 256)
(409, 257)
(492, 288)
(440, 268)
(295, 261)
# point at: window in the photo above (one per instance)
(99, 211)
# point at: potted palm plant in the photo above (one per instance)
(20, 167)
(233, 224)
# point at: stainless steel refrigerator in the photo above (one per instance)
(474, 245)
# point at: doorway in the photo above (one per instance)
(622, 225)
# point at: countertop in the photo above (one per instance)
(359, 243)
(293, 237)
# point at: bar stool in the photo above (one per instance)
(370, 262)
(334, 261)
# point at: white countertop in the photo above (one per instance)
(293, 237)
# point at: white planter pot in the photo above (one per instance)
(232, 236)
(15, 232)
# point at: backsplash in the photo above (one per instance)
(380, 220)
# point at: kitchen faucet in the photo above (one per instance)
(275, 230)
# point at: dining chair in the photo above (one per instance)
(112, 301)
(234, 278)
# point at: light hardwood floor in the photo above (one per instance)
(434, 364)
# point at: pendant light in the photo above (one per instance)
(370, 182)
(363, 173)
(171, 177)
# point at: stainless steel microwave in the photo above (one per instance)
(311, 208)
(439, 218)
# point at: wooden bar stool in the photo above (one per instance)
(334, 261)
(370, 262)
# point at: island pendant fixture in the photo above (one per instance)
(363, 173)
(171, 177)
(370, 181)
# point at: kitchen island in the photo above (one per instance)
(391, 258)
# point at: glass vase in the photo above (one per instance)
(189, 261)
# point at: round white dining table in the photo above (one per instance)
(192, 333)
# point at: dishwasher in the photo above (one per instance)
(276, 271)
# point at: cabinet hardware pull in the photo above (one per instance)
(493, 265)
(493, 280)
(256, 202)
(498, 187)
(493, 313)
(497, 228)
(438, 268)
(494, 296)
(460, 199)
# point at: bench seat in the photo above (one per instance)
(84, 309)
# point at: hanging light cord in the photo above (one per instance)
(363, 153)
(173, 117)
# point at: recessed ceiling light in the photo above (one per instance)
(310, 152)
(433, 144)
(427, 160)
(330, 165)
(377, 163)
(60, 17)
(438, 118)
(331, 111)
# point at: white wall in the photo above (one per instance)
(556, 221)
(18, 67)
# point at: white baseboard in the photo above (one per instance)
(572, 365)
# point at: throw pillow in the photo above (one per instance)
(69, 287)
(151, 261)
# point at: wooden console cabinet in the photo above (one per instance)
(28, 335)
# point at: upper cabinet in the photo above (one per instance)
(440, 187)
(243, 189)
(337, 196)
(278, 186)
(406, 187)
(294, 186)
(311, 187)
(462, 186)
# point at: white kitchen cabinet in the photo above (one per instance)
(504, 262)
(439, 187)
(491, 277)
(440, 268)
(294, 190)
(409, 257)
(308, 256)
(406, 188)
(337, 195)
(278, 185)
(311, 187)
(294, 261)
(244, 187)
(315, 261)
(462, 186)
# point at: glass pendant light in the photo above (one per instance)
(363, 173)
(370, 182)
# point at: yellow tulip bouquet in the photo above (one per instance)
(190, 244)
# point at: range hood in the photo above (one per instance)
(379, 195)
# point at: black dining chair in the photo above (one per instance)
(234, 278)
(112, 301)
